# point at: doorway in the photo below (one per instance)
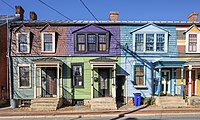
(165, 82)
(192, 83)
(103, 82)
(120, 81)
(49, 82)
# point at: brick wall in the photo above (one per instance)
(3, 65)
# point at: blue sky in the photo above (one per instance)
(172, 10)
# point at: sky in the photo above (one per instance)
(136, 10)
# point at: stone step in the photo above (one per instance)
(104, 103)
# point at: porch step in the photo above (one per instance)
(104, 103)
(171, 102)
(44, 104)
(195, 101)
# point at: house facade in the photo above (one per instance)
(4, 43)
(79, 61)
(188, 42)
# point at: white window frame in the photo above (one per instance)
(187, 42)
(53, 42)
(24, 65)
(28, 42)
(155, 41)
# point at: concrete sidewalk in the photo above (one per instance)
(135, 111)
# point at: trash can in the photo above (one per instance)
(137, 99)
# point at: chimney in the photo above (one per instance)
(193, 17)
(20, 12)
(33, 16)
(113, 16)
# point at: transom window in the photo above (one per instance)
(77, 75)
(23, 42)
(91, 42)
(48, 42)
(139, 75)
(192, 42)
(24, 76)
(153, 42)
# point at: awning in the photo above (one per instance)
(51, 62)
(195, 62)
(169, 63)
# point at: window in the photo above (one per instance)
(23, 42)
(149, 42)
(102, 42)
(192, 42)
(77, 75)
(48, 42)
(139, 42)
(81, 43)
(24, 76)
(91, 43)
(139, 75)
(160, 42)
(87, 42)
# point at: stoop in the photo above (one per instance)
(103, 103)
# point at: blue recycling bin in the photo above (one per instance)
(137, 99)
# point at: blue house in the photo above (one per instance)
(150, 58)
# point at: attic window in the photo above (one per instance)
(23, 42)
(48, 42)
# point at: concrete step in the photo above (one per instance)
(44, 104)
(171, 102)
(104, 103)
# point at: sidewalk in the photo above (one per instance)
(79, 111)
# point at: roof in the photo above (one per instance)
(144, 26)
(84, 22)
(191, 28)
(103, 59)
(98, 28)
(4, 18)
(47, 60)
(169, 62)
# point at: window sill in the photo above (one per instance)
(78, 87)
(140, 87)
(25, 87)
(106, 52)
(48, 52)
(153, 52)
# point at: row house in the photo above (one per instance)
(87, 62)
(4, 34)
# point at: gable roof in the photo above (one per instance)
(94, 27)
(149, 24)
(103, 59)
(193, 25)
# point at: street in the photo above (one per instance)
(132, 117)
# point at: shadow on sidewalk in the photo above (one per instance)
(123, 115)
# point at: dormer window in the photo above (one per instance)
(96, 42)
(23, 42)
(150, 38)
(192, 43)
(48, 42)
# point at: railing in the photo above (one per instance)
(96, 93)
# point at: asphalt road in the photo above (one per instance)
(149, 117)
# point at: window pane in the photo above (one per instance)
(81, 39)
(23, 47)
(139, 75)
(24, 76)
(22, 38)
(77, 75)
(48, 38)
(149, 42)
(102, 39)
(192, 42)
(91, 43)
(139, 41)
(102, 47)
(160, 42)
(91, 38)
(47, 46)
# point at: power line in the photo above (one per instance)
(54, 10)
(8, 4)
(88, 10)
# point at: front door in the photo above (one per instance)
(165, 82)
(49, 82)
(103, 82)
(192, 83)
(120, 80)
